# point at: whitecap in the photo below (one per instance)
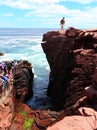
(47, 68)
(35, 76)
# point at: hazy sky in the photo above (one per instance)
(47, 13)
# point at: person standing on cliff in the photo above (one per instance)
(62, 23)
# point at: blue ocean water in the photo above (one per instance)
(25, 44)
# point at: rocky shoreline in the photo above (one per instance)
(72, 88)
(72, 56)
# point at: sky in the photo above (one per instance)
(48, 13)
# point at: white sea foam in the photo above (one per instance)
(35, 76)
(21, 37)
(47, 68)
(36, 47)
(11, 56)
(25, 44)
(12, 40)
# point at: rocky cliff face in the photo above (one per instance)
(14, 114)
(22, 80)
(16, 90)
(72, 88)
(72, 56)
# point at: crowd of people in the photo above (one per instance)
(5, 73)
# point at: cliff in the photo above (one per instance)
(14, 114)
(72, 59)
(15, 88)
(72, 88)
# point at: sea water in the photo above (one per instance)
(25, 44)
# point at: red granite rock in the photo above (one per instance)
(71, 70)
(41, 119)
(85, 121)
(91, 93)
(72, 57)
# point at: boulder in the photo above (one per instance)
(1, 53)
(85, 121)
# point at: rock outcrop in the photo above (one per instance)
(86, 120)
(72, 88)
(25, 118)
(1, 53)
(22, 81)
(14, 114)
(72, 56)
(16, 79)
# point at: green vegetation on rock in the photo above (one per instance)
(28, 123)
(22, 113)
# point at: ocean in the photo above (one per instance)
(25, 44)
